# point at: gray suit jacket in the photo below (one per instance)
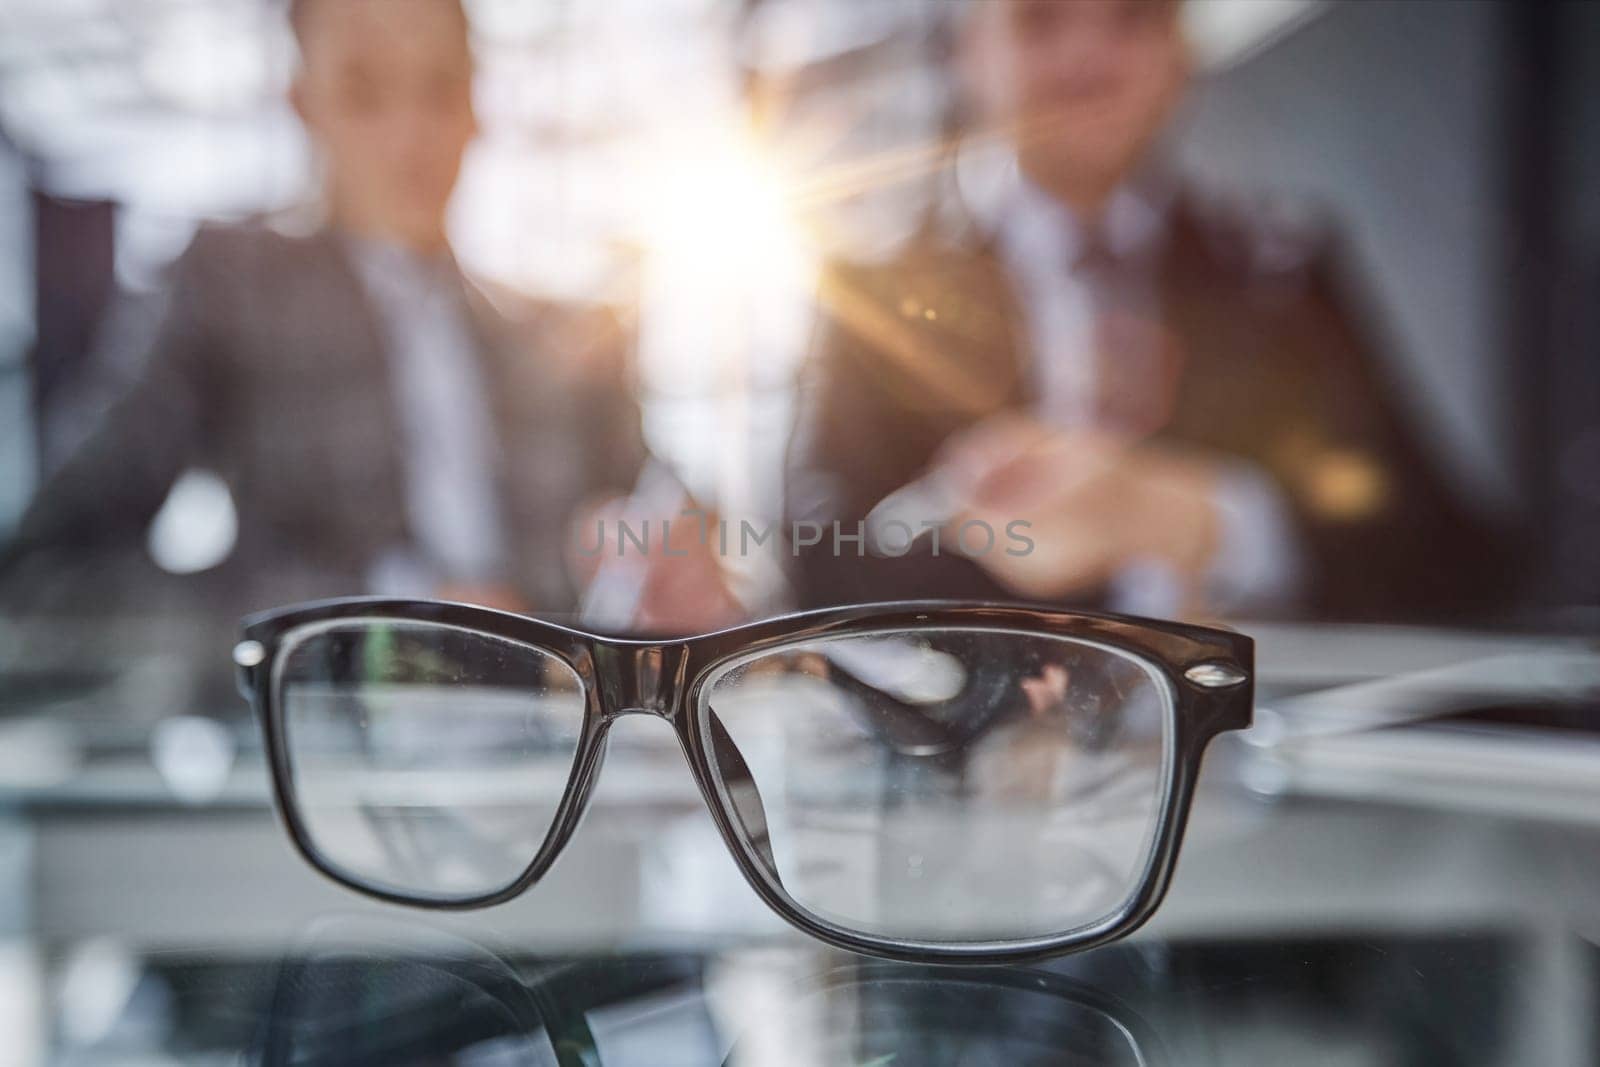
(269, 370)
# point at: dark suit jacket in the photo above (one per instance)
(1275, 370)
(269, 370)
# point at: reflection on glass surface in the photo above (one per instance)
(885, 1014)
(427, 759)
(1010, 789)
(370, 994)
(372, 991)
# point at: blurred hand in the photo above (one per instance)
(500, 597)
(678, 580)
(1095, 502)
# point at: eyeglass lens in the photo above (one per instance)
(423, 759)
(946, 784)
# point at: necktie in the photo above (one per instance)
(1135, 359)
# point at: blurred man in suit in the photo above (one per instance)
(383, 424)
(1170, 394)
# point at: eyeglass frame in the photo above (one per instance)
(1208, 673)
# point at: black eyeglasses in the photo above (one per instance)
(921, 781)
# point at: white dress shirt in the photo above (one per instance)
(1257, 566)
(445, 420)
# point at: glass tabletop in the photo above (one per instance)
(1424, 893)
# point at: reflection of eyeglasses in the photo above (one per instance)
(361, 990)
(357, 990)
(924, 781)
(883, 1013)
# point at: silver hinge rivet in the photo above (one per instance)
(1215, 675)
(249, 653)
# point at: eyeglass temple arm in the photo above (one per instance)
(744, 797)
(1424, 695)
(900, 724)
(911, 730)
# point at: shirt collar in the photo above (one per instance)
(390, 264)
(1032, 226)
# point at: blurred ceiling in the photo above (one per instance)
(87, 85)
(175, 108)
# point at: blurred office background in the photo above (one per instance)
(694, 159)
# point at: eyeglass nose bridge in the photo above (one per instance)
(640, 679)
